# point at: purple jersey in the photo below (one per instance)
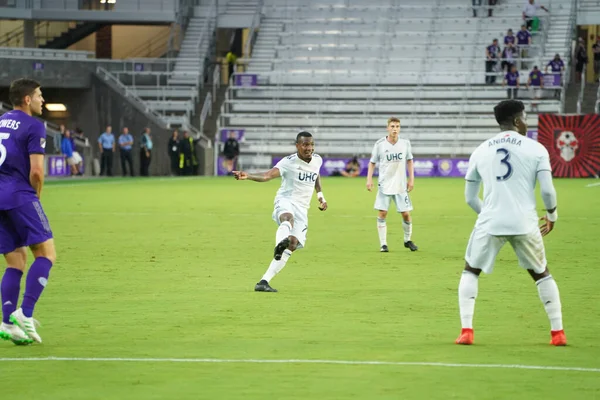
(512, 78)
(20, 136)
(536, 78)
(523, 37)
(556, 65)
(509, 39)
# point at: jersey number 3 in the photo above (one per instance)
(2, 148)
(509, 169)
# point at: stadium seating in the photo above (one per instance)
(341, 68)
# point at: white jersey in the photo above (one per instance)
(392, 164)
(508, 165)
(298, 179)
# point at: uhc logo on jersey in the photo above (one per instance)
(307, 176)
(394, 157)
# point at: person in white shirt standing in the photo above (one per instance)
(299, 174)
(509, 164)
(394, 156)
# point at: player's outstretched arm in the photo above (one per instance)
(370, 172)
(472, 195)
(320, 196)
(36, 173)
(549, 198)
(260, 177)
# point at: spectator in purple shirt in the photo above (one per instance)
(536, 84)
(492, 53)
(509, 38)
(511, 79)
(556, 65)
(524, 40)
(508, 57)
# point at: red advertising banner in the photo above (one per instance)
(573, 143)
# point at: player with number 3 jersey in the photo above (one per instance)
(508, 165)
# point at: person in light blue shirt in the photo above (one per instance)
(126, 144)
(106, 143)
(145, 152)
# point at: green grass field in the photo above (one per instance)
(164, 269)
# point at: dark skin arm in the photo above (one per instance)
(260, 177)
(318, 189)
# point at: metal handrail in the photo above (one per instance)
(206, 110)
(581, 92)
(255, 23)
(127, 93)
(216, 81)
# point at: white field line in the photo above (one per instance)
(213, 214)
(295, 361)
(593, 184)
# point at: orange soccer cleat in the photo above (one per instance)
(558, 338)
(466, 336)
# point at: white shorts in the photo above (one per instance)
(77, 157)
(536, 92)
(71, 161)
(300, 228)
(402, 200)
(483, 249)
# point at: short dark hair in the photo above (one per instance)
(21, 88)
(507, 110)
(302, 134)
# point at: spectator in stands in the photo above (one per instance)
(67, 150)
(125, 145)
(596, 48)
(524, 40)
(77, 159)
(231, 60)
(492, 53)
(530, 13)
(188, 162)
(57, 140)
(492, 4)
(476, 6)
(145, 152)
(557, 66)
(581, 59)
(509, 55)
(512, 80)
(352, 169)
(106, 143)
(173, 150)
(536, 84)
(510, 38)
(231, 151)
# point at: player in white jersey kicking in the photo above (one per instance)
(394, 156)
(299, 177)
(509, 165)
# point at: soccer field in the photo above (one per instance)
(152, 298)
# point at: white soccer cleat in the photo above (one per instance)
(26, 324)
(14, 334)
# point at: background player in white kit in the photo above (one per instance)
(508, 165)
(299, 177)
(394, 156)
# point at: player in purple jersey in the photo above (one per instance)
(22, 220)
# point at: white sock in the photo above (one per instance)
(277, 265)
(407, 226)
(550, 298)
(467, 293)
(284, 230)
(382, 230)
